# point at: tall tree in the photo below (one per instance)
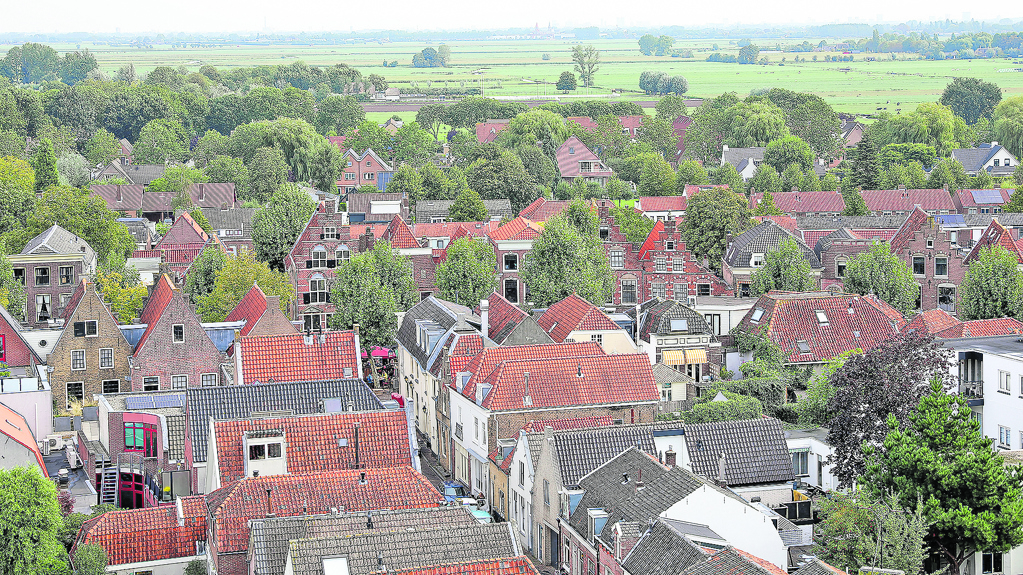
(12, 292)
(657, 178)
(993, 286)
(587, 62)
(632, 223)
(413, 145)
(121, 287)
(854, 203)
(503, 177)
(1008, 122)
(202, 276)
(566, 82)
(17, 192)
(44, 162)
(784, 269)
(408, 182)
(866, 168)
(971, 500)
(395, 273)
(90, 559)
(161, 141)
(235, 279)
(971, 98)
(359, 297)
(338, 114)
(564, 261)
(102, 148)
(276, 226)
(467, 274)
(468, 207)
(80, 213)
(884, 382)
(267, 173)
(812, 408)
(30, 523)
(880, 272)
(670, 107)
(431, 118)
(690, 172)
(784, 152)
(710, 217)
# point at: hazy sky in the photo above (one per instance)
(323, 15)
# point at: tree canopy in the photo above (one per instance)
(880, 272)
(30, 522)
(784, 269)
(710, 216)
(564, 261)
(467, 275)
(993, 286)
(234, 279)
(277, 225)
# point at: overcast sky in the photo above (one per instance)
(323, 15)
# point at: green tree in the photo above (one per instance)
(413, 145)
(632, 223)
(267, 174)
(17, 192)
(566, 82)
(503, 177)
(1008, 124)
(564, 261)
(369, 136)
(766, 207)
(670, 107)
(30, 521)
(102, 148)
(831, 183)
(657, 178)
(948, 173)
(122, 288)
(784, 152)
(866, 167)
(660, 135)
(536, 126)
(44, 162)
(748, 54)
(395, 273)
(784, 269)
(338, 114)
(359, 297)
(407, 181)
(537, 164)
(971, 98)
(225, 169)
(880, 272)
(993, 286)
(812, 408)
(90, 559)
(235, 279)
(467, 275)
(727, 175)
(1015, 204)
(970, 499)
(196, 567)
(80, 213)
(710, 217)
(766, 179)
(754, 123)
(735, 407)
(431, 118)
(587, 62)
(277, 225)
(12, 292)
(690, 172)
(202, 276)
(161, 141)
(468, 207)
(854, 203)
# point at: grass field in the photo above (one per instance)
(515, 69)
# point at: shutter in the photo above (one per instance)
(305, 298)
(321, 236)
(331, 263)
(309, 264)
(79, 329)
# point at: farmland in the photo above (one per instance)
(515, 69)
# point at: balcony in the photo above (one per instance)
(972, 391)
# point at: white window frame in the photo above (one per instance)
(177, 378)
(319, 257)
(1004, 381)
(102, 365)
(661, 265)
(617, 259)
(1004, 436)
(81, 354)
(174, 338)
(144, 381)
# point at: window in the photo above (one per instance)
(1007, 162)
(679, 324)
(757, 314)
(840, 267)
(947, 298)
(342, 254)
(329, 233)
(604, 233)
(64, 298)
(106, 358)
(43, 307)
(257, 452)
(511, 262)
(1004, 383)
(714, 321)
(311, 322)
(42, 276)
(628, 291)
(140, 438)
(597, 338)
(822, 317)
(756, 260)
(511, 290)
(991, 563)
(617, 260)
(273, 450)
(151, 384)
(522, 474)
(369, 164)
(799, 462)
(930, 244)
(661, 265)
(803, 346)
(953, 238)
(77, 359)
(702, 289)
(349, 175)
(67, 274)
(546, 493)
(179, 381)
(111, 386)
(941, 267)
(369, 176)
(744, 289)
(679, 292)
(19, 274)
(75, 390)
(178, 332)
(319, 257)
(677, 265)
(918, 266)
(1004, 436)
(85, 328)
(669, 245)
(209, 380)
(318, 291)
(657, 289)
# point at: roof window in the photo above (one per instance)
(757, 314)
(821, 317)
(803, 346)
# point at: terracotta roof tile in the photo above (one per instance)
(543, 209)
(150, 534)
(904, 200)
(518, 229)
(250, 308)
(155, 306)
(983, 328)
(289, 358)
(932, 321)
(803, 202)
(312, 441)
(511, 566)
(538, 425)
(399, 235)
(573, 314)
(504, 316)
(488, 131)
(487, 360)
(130, 196)
(662, 203)
(570, 154)
(995, 235)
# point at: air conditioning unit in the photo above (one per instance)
(45, 447)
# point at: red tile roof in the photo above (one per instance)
(789, 318)
(15, 426)
(574, 314)
(288, 358)
(571, 153)
(311, 441)
(810, 237)
(250, 308)
(803, 202)
(502, 313)
(571, 382)
(904, 200)
(488, 131)
(518, 229)
(76, 297)
(213, 195)
(454, 230)
(511, 566)
(916, 220)
(155, 306)
(662, 203)
(131, 196)
(932, 321)
(505, 463)
(149, 534)
(983, 328)
(399, 235)
(967, 200)
(650, 243)
(484, 362)
(339, 142)
(184, 220)
(147, 253)
(788, 223)
(543, 209)
(762, 563)
(538, 425)
(995, 235)
(232, 506)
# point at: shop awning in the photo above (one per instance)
(696, 356)
(673, 357)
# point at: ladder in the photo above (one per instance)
(108, 490)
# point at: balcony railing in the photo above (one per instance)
(972, 389)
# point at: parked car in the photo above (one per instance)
(482, 515)
(456, 493)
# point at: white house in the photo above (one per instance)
(992, 158)
(810, 451)
(990, 375)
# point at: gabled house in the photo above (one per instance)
(121, 198)
(309, 444)
(630, 125)
(125, 149)
(487, 132)
(812, 328)
(298, 357)
(174, 351)
(512, 242)
(745, 160)
(796, 203)
(50, 267)
(91, 355)
(968, 202)
(575, 160)
(813, 228)
(750, 456)
(746, 253)
(233, 227)
(992, 158)
(902, 201)
(159, 206)
(184, 233)
(262, 315)
(507, 324)
(936, 256)
(575, 319)
(145, 237)
(662, 208)
(376, 208)
(996, 235)
(672, 333)
(669, 269)
(362, 169)
(135, 174)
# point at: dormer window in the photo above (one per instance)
(996, 162)
(822, 317)
(756, 260)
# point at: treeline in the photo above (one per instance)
(36, 63)
(661, 83)
(963, 46)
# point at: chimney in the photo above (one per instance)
(485, 317)
(548, 432)
(273, 301)
(369, 519)
(944, 187)
(721, 470)
(902, 186)
(669, 226)
(202, 192)
(639, 482)
(118, 192)
(669, 457)
(362, 478)
(579, 370)
(269, 502)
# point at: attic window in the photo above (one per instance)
(757, 314)
(669, 245)
(571, 150)
(822, 317)
(803, 346)
(679, 325)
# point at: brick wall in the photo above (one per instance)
(501, 425)
(16, 353)
(847, 249)
(940, 248)
(159, 356)
(56, 290)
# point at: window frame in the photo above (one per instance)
(67, 392)
(513, 259)
(936, 267)
(177, 378)
(36, 276)
(149, 441)
(174, 333)
(318, 257)
(661, 264)
(634, 291)
(923, 265)
(104, 383)
(617, 259)
(44, 299)
(70, 275)
(106, 365)
(76, 355)
(149, 381)
(202, 379)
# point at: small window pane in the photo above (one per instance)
(273, 450)
(257, 452)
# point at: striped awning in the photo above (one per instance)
(696, 356)
(673, 357)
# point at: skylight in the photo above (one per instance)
(679, 325)
(757, 314)
(803, 346)
(821, 316)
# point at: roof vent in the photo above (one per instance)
(579, 371)
(362, 478)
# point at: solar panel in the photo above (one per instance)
(951, 220)
(139, 402)
(169, 400)
(987, 196)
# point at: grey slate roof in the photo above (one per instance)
(176, 436)
(729, 561)
(442, 313)
(984, 220)
(367, 553)
(426, 210)
(664, 374)
(825, 242)
(855, 222)
(269, 538)
(973, 159)
(57, 240)
(817, 567)
(139, 230)
(735, 155)
(580, 452)
(755, 451)
(239, 402)
(232, 219)
(655, 317)
(662, 551)
(762, 239)
(138, 173)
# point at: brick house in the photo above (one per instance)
(507, 324)
(902, 201)
(575, 319)
(174, 352)
(813, 228)
(159, 206)
(185, 232)
(996, 235)
(672, 333)
(15, 351)
(934, 255)
(262, 315)
(50, 267)
(91, 355)
(747, 252)
(836, 249)
(796, 203)
(512, 242)
(575, 160)
(298, 357)
(487, 132)
(363, 169)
